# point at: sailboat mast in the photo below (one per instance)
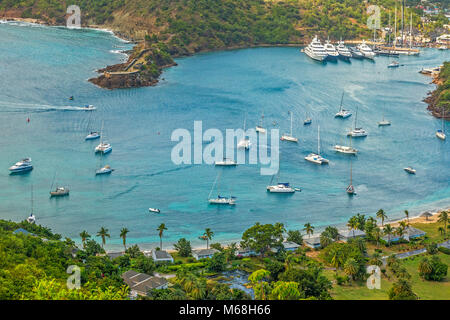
(410, 33)
(351, 172)
(342, 101)
(291, 123)
(53, 181)
(32, 200)
(318, 140)
(389, 34)
(403, 22)
(101, 133)
(395, 26)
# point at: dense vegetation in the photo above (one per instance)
(439, 100)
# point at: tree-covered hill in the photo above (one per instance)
(439, 100)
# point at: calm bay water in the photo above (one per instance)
(40, 67)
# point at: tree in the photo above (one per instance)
(216, 263)
(183, 247)
(434, 270)
(103, 233)
(377, 234)
(387, 230)
(401, 290)
(332, 233)
(400, 231)
(351, 268)
(161, 229)
(260, 238)
(309, 229)
(123, 235)
(325, 240)
(84, 236)
(353, 225)
(443, 218)
(285, 291)
(295, 236)
(407, 215)
(256, 278)
(382, 216)
(208, 236)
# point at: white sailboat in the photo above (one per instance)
(357, 132)
(384, 122)
(103, 147)
(59, 191)
(245, 142)
(93, 135)
(316, 157)
(289, 137)
(260, 128)
(441, 132)
(226, 163)
(281, 187)
(346, 149)
(220, 200)
(342, 112)
(351, 189)
(32, 219)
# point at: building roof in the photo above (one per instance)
(113, 255)
(142, 282)
(290, 245)
(351, 233)
(162, 255)
(204, 252)
(312, 240)
(23, 231)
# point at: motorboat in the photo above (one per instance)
(333, 54)
(307, 121)
(88, 108)
(93, 136)
(394, 64)
(342, 112)
(440, 134)
(443, 47)
(104, 170)
(356, 54)
(281, 188)
(410, 170)
(344, 52)
(103, 148)
(316, 51)
(60, 192)
(226, 163)
(31, 219)
(366, 50)
(22, 166)
(154, 210)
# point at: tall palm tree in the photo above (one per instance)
(103, 233)
(309, 229)
(84, 236)
(441, 231)
(123, 235)
(425, 267)
(377, 233)
(443, 217)
(381, 215)
(400, 231)
(257, 277)
(388, 232)
(208, 236)
(351, 268)
(353, 224)
(407, 215)
(161, 229)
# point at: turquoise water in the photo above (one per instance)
(40, 67)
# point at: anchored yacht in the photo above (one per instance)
(344, 52)
(342, 112)
(60, 192)
(226, 163)
(333, 54)
(22, 166)
(357, 132)
(366, 50)
(316, 157)
(315, 50)
(104, 170)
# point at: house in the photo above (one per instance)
(245, 252)
(203, 253)
(23, 231)
(312, 242)
(161, 256)
(113, 255)
(288, 246)
(410, 233)
(141, 283)
(345, 235)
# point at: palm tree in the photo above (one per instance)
(353, 224)
(441, 231)
(377, 235)
(103, 233)
(309, 229)
(258, 277)
(400, 231)
(381, 215)
(84, 236)
(123, 235)
(443, 217)
(407, 215)
(351, 268)
(161, 229)
(388, 231)
(425, 267)
(208, 236)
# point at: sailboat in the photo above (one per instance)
(307, 121)
(357, 132)
(260, 128)
(245, 142)
(220, 200)
(280, 187)
(103, 147)
(342, 112)
(59, 191)
(441, 132)
(32, 219)
(346, 149)
(289, 137)
(384, 122)
(351, 189)
(316, 157)
(92, 134)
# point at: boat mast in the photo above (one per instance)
(32, 201)
(101, 132)
(318, 140)
(53, 181)
(389, 34)
(351, 172)
(410, 33)
(403, 22)
(342, 100)
(291, 122)
(395, 26)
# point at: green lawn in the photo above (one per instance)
(426, 290)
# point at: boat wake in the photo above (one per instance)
(34, 107)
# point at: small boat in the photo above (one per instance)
(282, 188)
(260, 128)
(357, 132)
(351, 189)
(384, 123)
(440, 133)
(443, 47)
(92, 136)
(103, 147)
(410, 170)
(342, 112)
(104, 170)
(88, 108)
(154, 210)
(220, 200)
(22, 166)
(316, 157)
(31, 219)
(307, 121)
(289, 137)
(60, 192)
(226, 163)
(394, 64)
